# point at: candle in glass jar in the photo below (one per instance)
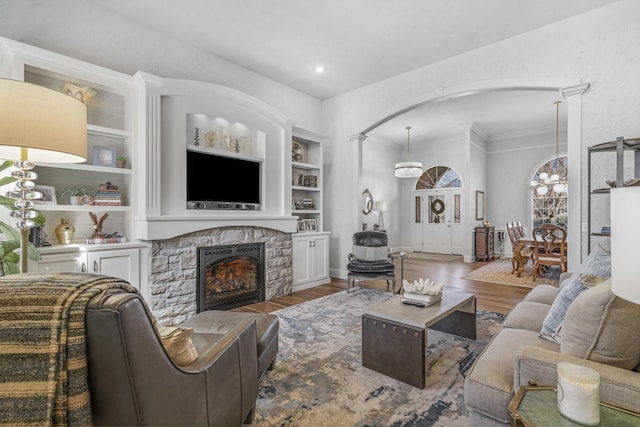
(579, 393)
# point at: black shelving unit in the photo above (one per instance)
(619, 146)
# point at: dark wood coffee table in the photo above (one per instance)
(394, 335)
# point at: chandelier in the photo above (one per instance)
(408, 169)
(557, 183)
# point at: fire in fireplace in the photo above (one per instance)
(230, 276)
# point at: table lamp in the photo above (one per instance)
(625, 235)
(37, 125)
(381, 207)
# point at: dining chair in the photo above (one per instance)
(549, 248)
(521, 254)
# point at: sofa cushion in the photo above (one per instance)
(544, 294)
(597, 263)
(527, 315)
(553, 321)
(602, 327)
(488, 388)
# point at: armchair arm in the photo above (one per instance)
(618, 387)
(210, 350)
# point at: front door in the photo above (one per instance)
(437, 225)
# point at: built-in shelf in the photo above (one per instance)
(81, 208)
(86, 168)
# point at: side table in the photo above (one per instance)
(535, 406)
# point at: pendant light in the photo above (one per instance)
(408, 169)
(557, 184)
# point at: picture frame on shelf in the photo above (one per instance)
(302, 226)
(479, 205)
(48, 195)
(104, 156)
(311, 224)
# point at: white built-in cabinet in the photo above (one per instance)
(310, 260)
(116, 262)
(126, 116)
(111, 110)
(311, 242)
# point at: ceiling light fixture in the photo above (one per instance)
(320, 69)
(557, 184)
(408, 169)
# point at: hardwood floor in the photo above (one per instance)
(489, 296)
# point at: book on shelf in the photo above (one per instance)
(102, 240)
(426, 299)
(107, 203)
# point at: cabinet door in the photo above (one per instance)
(124, 264)
(301, 260)
(320, 255)
(60, 263)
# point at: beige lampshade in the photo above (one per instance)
(625, 235)
(381, 206)
(40, 124)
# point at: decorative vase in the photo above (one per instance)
(65, 231)
(74, 200)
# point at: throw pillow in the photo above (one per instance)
(597, 263)
(602, 327)
(555, 316)
(370, 253)
(177, 341)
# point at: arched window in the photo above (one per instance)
(549, 199)
(438, 177)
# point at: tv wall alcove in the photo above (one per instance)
(173, 110)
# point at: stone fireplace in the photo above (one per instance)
(229, 276)
(173, 269)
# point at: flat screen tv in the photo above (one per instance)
(220, 182)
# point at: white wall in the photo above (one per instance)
(511, 164)
(599, 47)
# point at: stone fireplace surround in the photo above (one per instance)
(173, 269)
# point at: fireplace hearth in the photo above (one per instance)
(230, 276)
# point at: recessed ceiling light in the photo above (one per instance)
(319, 69)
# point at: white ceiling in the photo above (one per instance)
(361, 42)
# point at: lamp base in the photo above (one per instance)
(24, 250)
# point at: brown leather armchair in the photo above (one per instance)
(133, 381)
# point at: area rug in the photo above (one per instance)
(319, 379)
(435, 257)
(499, 271)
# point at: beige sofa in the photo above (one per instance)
(599, 331)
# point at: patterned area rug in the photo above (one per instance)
(319, 379)
(499, 271)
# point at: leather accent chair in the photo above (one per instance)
(370, 258)
(133, 380)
